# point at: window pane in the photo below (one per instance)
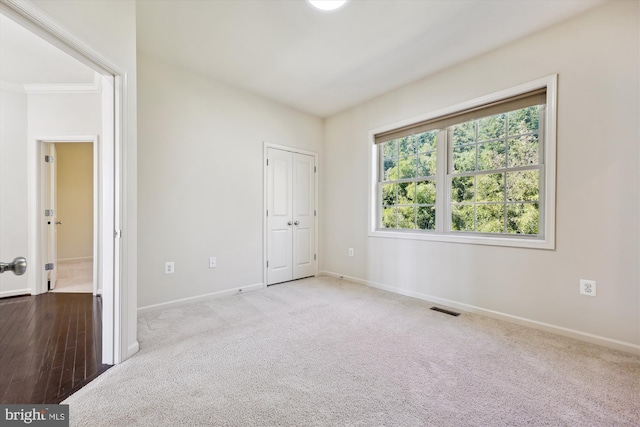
(462, 218)
(462, 189)
(523, 151)
(406, 193)
(523, 186)
(492, 127)
(426, 192)
(523, 121)
(427, 164)
(491, 155)
(406, 217)
(490, 218)
(426, 219)
(522, 218)
(490, 188)
(464, 159)
(407, 167)
(407, 145)
(389, 217)
(390, 149)
(426, 141)
(464, 133)
(390, 170)
(388, 194)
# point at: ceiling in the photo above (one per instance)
(325, 62)
(27, 59)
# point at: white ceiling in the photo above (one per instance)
(27, 59)
(325, 62)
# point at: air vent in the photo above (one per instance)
(442, 310)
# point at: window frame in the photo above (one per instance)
(547, 163)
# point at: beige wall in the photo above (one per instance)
(596, 56)
(201, 180)
(75, 200)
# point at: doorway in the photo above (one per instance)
(69, 172)
(291, 214)
(21, 233)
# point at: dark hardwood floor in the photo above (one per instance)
(50, 346)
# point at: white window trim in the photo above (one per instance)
(548, 202)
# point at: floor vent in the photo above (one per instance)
(442, 310)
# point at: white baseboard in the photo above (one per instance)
(198, 298)
(571, 333)
(17, 292)
(133, 349)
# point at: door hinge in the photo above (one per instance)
(267, 212)
(315, 257)
(48, 212)
(117, 233)
(48, 266)
(267, 162)
(48, 159)
(315, 170)
(314, 213)
(267, 264)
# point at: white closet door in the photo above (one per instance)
(291, 216)
(280, 211)
(303, 216)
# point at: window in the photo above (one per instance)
(482, 172)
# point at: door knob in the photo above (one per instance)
(58, 222)
(296, 223)
(18, 266)
(289, 223)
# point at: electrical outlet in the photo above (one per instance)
(212, 262)
(588, 287)
(350, 251)
(169, 267)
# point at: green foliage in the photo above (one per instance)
(492, 155)
(464, 133)
(490, 188)
(492, 127)
(523, 218)
(462, 189)
(490, 218)
(464, 159)
(462, 217)
(523, 186)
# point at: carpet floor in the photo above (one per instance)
(327, 352)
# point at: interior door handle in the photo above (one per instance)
(296, 223)
(58, 222)
(289, 223)
(18, 266)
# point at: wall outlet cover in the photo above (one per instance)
(169, 267)
(588, 287)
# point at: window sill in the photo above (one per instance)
(528, 243)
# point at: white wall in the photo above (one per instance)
(13, 188)
(109, 27)
(201, 180)
(64, 114)
(597, 58)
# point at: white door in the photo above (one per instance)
(51, 178)
(290, 216)
(13, 193)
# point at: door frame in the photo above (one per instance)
(38, 282)
(114, 138)
(265, 187)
